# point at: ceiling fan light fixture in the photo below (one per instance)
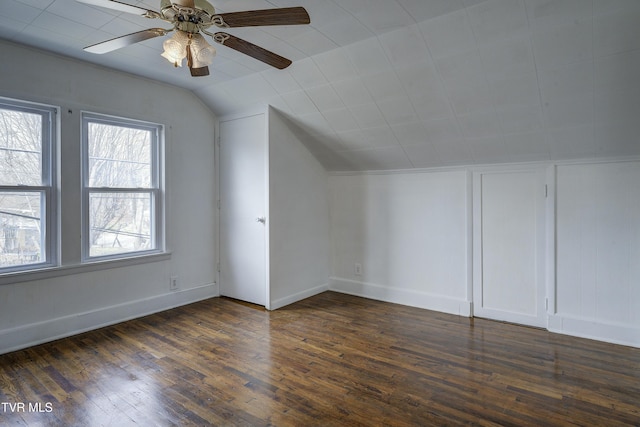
(175, 48)
(201, 51)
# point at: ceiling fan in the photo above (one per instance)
(193, 18)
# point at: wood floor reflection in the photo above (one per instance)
(330, 360)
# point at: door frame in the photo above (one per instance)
(543, 196)
(230, 117)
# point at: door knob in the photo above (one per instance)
(261, 219)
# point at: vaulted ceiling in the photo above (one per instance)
(398, 84)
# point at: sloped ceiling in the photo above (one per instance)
(398, 84)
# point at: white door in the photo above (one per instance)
(243, 190)
(508, 282)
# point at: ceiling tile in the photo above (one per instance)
(618, 139)
(344, 30)
(522, 118)
(442, 131)
(528, 146)
(520, 90)
(383, 15)
(422, 10)
(385, 85)
(479, 125)
(569, 111)
(312, 42)
(340, 120)
(405, 46)
(367, 56)
(410, 134)
(352, 91)
(566, 81)
(324, 97)
(563, 45)
(10, 28)
(572, 142)
(367, 115)
(81, 13)
(307, 73)
(379, 158)
(40, 4)
(508, 59)
(281, 80)
(14, 10)
(335, 64)
(617, 72)
(491, 149)
(617, 106)
(496, 20)
(432, 107)
(397, 111)
(250, 88)
(617, 32)
(313, 123)
(419, 79)
(423, 156)
(545, 14)
(449, 34)
(299, 102)
(382, 136)
(354, 139)
(453, 152)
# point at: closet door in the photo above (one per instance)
(509, 232)
(243, 207)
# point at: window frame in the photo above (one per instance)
(155, 190)
(48, 189)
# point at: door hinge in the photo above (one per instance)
(218, 204)
(546, 304)
(546, 190)
(218, 267)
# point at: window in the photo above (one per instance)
(27, 186)
(122, 197)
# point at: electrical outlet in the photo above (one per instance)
(357, 269)
(174, 285)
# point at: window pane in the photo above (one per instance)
(119, 223)
(20, 148)
(20, 228)
(119, 157)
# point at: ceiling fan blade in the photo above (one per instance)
(257, 18)
(252, 50)
(126, 40)
(121, 7)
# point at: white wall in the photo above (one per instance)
(409, 232)
(598, 252)
(298, 217)
(80, 298)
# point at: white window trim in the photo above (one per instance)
(48, 189)
(156, 190)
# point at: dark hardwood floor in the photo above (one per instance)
(330, 360)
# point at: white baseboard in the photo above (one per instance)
(281, 302)
(596, 330)
(401, 296)
(53, 329)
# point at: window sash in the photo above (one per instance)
(155, 191)
(47, 189)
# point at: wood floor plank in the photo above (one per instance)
(330, 360)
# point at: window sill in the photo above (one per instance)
(66, 270)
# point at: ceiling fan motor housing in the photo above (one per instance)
(188, 19)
